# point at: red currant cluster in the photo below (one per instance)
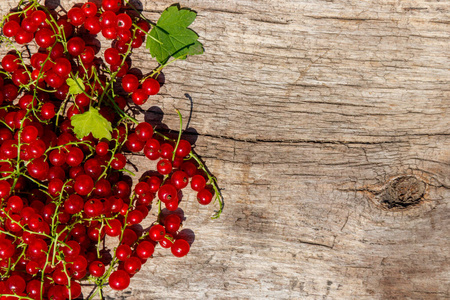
(62, 193)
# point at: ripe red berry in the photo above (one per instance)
(76, 46)
(139, 97)
(204, 197)
(164, 167)
(119, 161)
(132, 265)
(151, 86)
(183, 149)
(76, 16)
(45, 38)
(97, 268)
(172, 223)
(179, 179)
(167, 193)
(166, 150)
(123, 252)
(114, 227)
(93, 25)
(134, 144)
(151, 149)
(119, 280)
(167, 241)
(89, 9)
(180, 248)
(109, 33)
(130, 83)
(198, 183)
(83, 184)
(145, 250)
(112, 56)
(11, 28)
(157, 232)
(111, 5)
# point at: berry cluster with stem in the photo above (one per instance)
(64, 186)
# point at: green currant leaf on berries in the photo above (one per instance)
(91, 122)
(75, 87)
(171, 37)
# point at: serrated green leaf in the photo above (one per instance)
(75, 87)
(91, 122)
(171, 37)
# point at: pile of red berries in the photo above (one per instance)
(62, 193)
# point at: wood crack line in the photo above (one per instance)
(300, 141)
(317, 244)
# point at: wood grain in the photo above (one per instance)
(307, 111)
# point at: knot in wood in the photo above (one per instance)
(404, 191)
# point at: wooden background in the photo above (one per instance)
(316, 117)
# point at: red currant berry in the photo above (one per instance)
(76, 16)
(154, 183)
(114, 227)
(180, 248)
(164, 167)
(183, 149)
(48, 111)
(71, 249)
(62, 67)
(112, 56)
(204, 197)
(74, 204)
(143, 28)
(123, 252)
(167, 241)
(172, 223)
(167, 193)
(74, 157)
(83, 184)
(10, 63)
(134, 217)
(151, 86)
(76, 46)
(119, 280)
(198, 183)
(139, 97)
(179, 179)
(23, 37)
(45, 38)
(11, 28)
(119, 161)
(111, 5)
(130, 83)
(97, 268)
(123, 21)
(93, 25)
(145, 250)
(144, 131)
(16, 284)
(89, 9)
(166, 151)
(132, 265)
(134, 144)
(109, 33)
(151, 149)
(157, 232)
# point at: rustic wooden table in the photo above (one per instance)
(327, 124)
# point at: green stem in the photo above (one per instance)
(179, 135)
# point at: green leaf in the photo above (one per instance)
(91, 122)
(75, 87)
(171, 37)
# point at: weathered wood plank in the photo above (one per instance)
(305, 111)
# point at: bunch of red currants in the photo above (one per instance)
(64, 186)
